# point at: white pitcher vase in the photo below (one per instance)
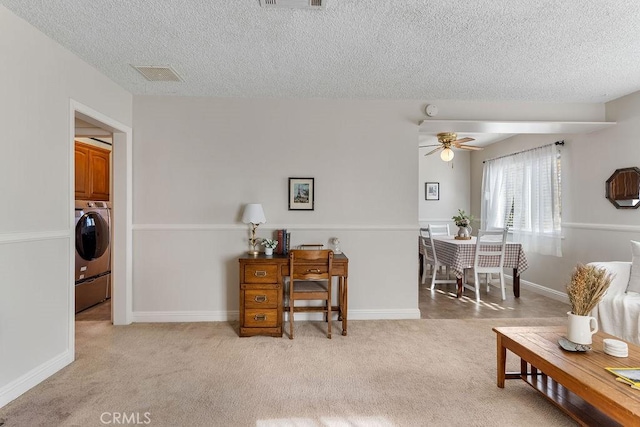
(581, 328)
(464, 232)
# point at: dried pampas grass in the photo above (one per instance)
(588, 285)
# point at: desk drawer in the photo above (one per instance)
(260, 318)
(261, 273)
(261, 298)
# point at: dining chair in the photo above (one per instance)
(489, 258)
(430, 256)
(310, 279)
(439, 229)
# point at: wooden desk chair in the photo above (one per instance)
(310, 279)
(489, 258)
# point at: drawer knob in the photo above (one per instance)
(260, 298)
(260, 273)
(313, 270)
(260, 317)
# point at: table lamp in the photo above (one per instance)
(254, 215)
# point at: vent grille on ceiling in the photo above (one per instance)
(294, 4)
(158, 74)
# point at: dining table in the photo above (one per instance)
(459, 254)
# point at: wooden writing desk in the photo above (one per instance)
(261, 299)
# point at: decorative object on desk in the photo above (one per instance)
(571, 346)
(432, 191)
(301, 194)
(586, 288)
(463, 221)
(615, 348)
(335, 245)
(253, 214)
(269, 246)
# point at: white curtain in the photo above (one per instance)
(522, 192)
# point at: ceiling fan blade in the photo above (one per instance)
(432, 145)
(462, 140)
(468, 147)
(433, 151)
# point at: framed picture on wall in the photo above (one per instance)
(301, 194)
(432, 191)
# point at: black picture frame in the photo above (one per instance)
(432, 191)
(301, 194)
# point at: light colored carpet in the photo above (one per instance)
(385, 373)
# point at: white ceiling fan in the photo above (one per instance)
(447, 140)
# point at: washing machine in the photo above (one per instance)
(93, 252)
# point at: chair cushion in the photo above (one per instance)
(634, 279)
(309, 286)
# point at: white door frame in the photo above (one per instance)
(122, 214)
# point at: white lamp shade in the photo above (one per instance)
(447, 154)
(253, 214)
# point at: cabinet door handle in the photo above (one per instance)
(260, 298)
(260, 317)
(260, 273)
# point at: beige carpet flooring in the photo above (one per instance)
(429, 372)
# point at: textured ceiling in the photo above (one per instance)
(521, 50)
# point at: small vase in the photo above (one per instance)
(268, 251)
(464, 232)
(579, 328)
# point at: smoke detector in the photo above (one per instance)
(158, 74)
(293, 4)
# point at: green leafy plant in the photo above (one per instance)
(269, 243)
(587, 286)
(462, 219)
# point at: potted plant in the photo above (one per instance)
(463, 221)
(587, 286)
(269, 246)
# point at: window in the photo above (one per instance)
(522, 192)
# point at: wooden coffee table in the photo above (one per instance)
(576, 382)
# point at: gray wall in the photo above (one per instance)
(199, 160)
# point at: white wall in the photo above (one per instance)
(38, 78)
(455, 190)
(593, 229)
(198, 161)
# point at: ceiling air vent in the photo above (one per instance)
(294, 4)
(158, 74)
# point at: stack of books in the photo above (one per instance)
(283, 239)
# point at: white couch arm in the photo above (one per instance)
(621, 271)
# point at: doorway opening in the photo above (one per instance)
(94, 122)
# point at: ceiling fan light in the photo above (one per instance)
(447, 154)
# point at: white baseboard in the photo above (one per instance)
(184, 316)
(34, 377)
(226, 316)
(539, 289)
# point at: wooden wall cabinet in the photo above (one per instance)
(92, 166)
